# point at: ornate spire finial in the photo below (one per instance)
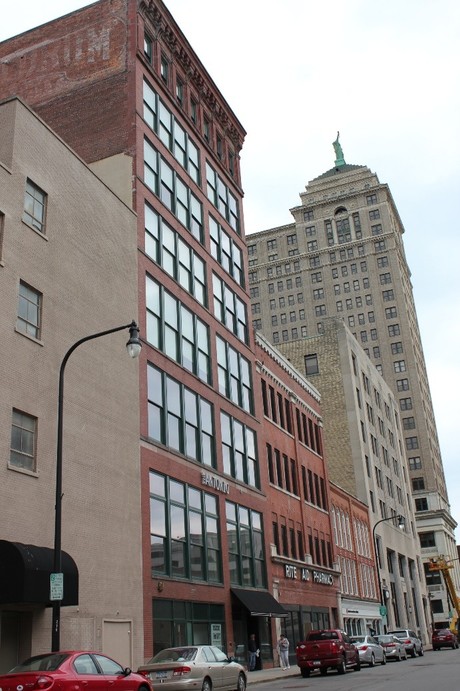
(339, 159)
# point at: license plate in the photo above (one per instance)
(317, 663)
(162, 675)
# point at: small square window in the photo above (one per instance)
(23, 441)
(29, 311)
(34, 206)
(311, 364)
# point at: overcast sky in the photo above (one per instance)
(386, 74)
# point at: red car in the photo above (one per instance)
(444, 638)
(68, 670)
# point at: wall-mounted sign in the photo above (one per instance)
(215, 482)
(304, 574)
(216, 634)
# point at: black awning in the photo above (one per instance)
(25, 575)
(260, 603)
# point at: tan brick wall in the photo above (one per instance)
(85, 268)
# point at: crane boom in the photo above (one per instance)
(442, 566)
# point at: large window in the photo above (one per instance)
(171, 133)
(29, 311)
(173, 192)
(179, 418)
(23, 441)
(245, 546)
(184, 531)
(177, 331)
(34, 207)
(226, 251)
(229, 309)
(239, 450)
(177, 258)
(224, 201)
(235, 381)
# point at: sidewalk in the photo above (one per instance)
(270, 674)
(260, 675)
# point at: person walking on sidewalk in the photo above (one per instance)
(283, 649)
(252, 652)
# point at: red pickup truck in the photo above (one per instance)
(324, 649)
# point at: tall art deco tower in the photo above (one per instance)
(343, 256)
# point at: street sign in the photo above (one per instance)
(383, 610)
(56, 586)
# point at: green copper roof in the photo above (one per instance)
(346, 168)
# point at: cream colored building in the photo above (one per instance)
(68, 269)
(343, 255)
(364, 450)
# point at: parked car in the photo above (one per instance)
(394, 648)
(444, 638)
(369, 649)
(71, 669)
(201, 667)
(327, 648)
(412, 642)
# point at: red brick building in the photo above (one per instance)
(356, 560)
(120, 84)
(305, 576)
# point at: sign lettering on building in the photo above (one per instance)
(215, 482)
(305, 574)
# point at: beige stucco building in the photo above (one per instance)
(67, 270)
(364, 450)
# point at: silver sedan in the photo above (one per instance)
(197, 667)
(394, 647)
(369, 649)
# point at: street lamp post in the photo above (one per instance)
(133, 347)
(401, 524)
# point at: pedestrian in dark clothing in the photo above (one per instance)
(252, 652)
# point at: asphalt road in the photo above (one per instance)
(435, 671)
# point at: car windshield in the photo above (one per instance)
(385, 639)
(174, 655)
(41, 663)
(441, 632)
(358, 639)
(399, 634)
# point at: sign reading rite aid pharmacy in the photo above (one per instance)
(305, 574)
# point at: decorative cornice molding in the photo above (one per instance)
(192, 71)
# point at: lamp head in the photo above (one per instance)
(134, 344)
(401, 522)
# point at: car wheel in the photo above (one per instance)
(342, 668)
(413, 653)
(241, 686)
(207, 686)
(372, 661)
(384, 659)
(323, 671)
(435, 649)
(358, 666)
(421, 652)
(305, 672)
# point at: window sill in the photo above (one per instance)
(23, 471)
(28, 336)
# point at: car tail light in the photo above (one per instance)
(363, 647)
(407, 641)
(43, 682)
(181, 671)
(144, 672)
(390, 645)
